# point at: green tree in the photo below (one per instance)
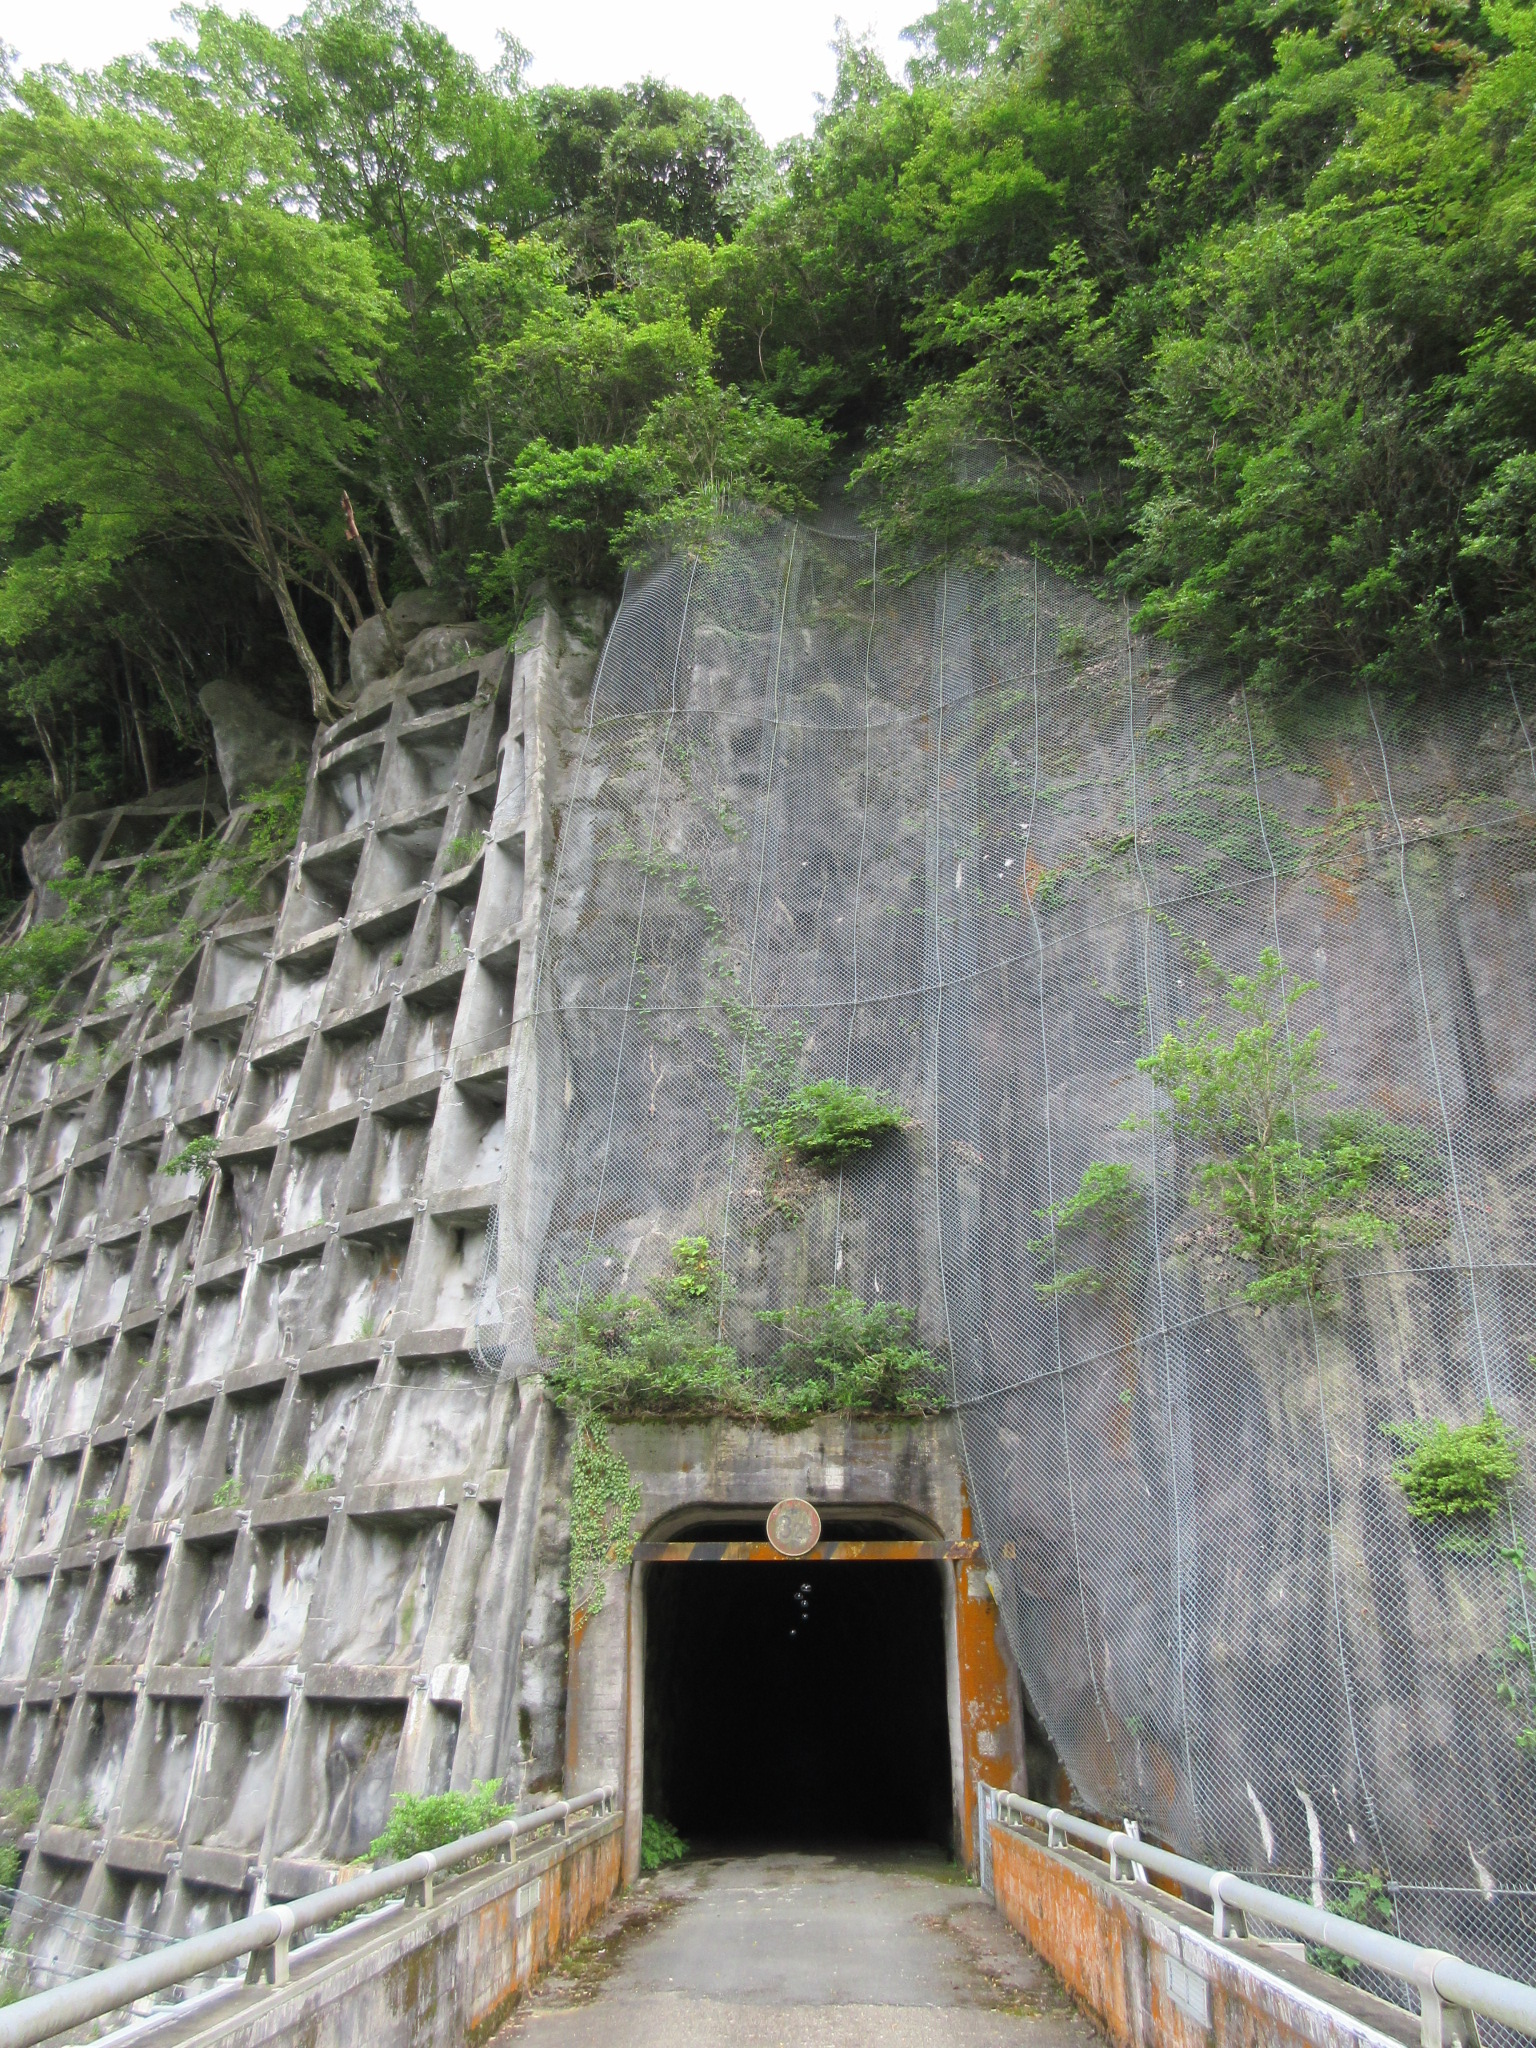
(690, 166)
(187, 341)
(407, 141)
(1025, 445)
(621, 437)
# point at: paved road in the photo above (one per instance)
(802, 1951)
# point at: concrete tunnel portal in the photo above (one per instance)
(800, 1703)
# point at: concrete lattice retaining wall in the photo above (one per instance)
(438, 1977)
(255, 1573)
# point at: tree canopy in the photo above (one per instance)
(1226, 304)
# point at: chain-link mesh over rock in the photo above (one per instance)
(964, 840)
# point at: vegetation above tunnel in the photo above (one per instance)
(1224, 302)
(663, 1355)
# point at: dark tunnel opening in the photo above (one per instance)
(790, 1704)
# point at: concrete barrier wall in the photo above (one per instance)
(437, 1977)
(1149, 1969)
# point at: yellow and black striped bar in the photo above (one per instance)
(899, 1552)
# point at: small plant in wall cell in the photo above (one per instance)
(461, 851)
(201, 1157)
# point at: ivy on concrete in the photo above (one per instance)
(841, 1356)
(19, 1809)
(651, 1355)
(1108, 1197)
(661, 1355)
(1461, 1474)
(604, 1503)
(1516, 1681)
(820, 1124)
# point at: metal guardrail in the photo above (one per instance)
(1450, 1991)
(265, 1936)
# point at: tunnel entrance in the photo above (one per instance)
(797, 1703)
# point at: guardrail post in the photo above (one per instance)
(1055, 1838)
(1442, 2024)
(984, 1809)
(1228, 1923)
(419, 1891)
(270, 1965)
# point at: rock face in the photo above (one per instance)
(413, 611)
(252, 743)
(47, 849)
(442, 646)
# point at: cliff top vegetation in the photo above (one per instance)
(1226, 303)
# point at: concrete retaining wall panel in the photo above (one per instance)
(445, 1977)
(1155, 1977)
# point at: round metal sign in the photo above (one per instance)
(794, 1527)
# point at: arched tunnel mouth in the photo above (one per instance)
(798, 1704)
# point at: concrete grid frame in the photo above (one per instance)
(252, 1478)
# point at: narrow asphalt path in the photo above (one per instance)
(798, 1950)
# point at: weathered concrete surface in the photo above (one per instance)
(1150, 1969)
(794, 1950)
(442, 1977)
(174, 1471)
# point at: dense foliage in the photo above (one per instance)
(1226, 302)
(827, 1123)
(664, 1354)
(420, 1821)
(660, 1843)
(1460, 1470)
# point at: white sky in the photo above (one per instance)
(773, 55)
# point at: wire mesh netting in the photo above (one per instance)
(965, 840)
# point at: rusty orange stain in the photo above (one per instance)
(579, 1619)
(508, 1952)
(1057, 1911)
(1338, 883)
(1031, 878)
(1100, 1943)
(987, 1733)
(1340, 890)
